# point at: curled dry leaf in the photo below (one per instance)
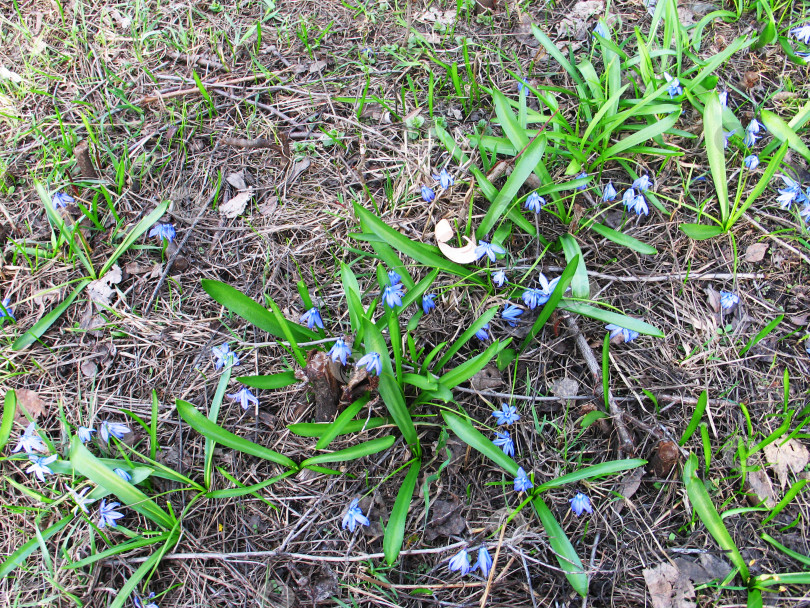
(760, 489)
(756, 252)
(461, 255)
(668, 587)
(102, 289)
(236, 206)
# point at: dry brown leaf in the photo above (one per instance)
(137, 268)
(89, 369)
(756, 252)
(761, 488)
(298, 168)
(236, 206)
(317, 66)
(628, 487)
(668, 587)
(31, 403)
(790, 456)
(102, 289)
(461, 255)
(237, 180)
(269, 206)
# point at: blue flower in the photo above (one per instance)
(723, 95)
(522, 85)
(610, 192)
(85, 433)
(61, 200)
(354, 516)
(484, 562)
(640, 205)
(165, 232)
(601, 29)
(642, 183)
(750, 139)
(81, 501)
(804, 56)
(427, 302)
(244, 397)
(751, 162)
(428, 194)
(499, 278)
(139, 603)
(629, 198)
(522, 481)
(489, 250)
(225, 356)
(460, 562)
(580, 503)
(340, 351)
(394, 278)
(535, 297)
(805, 212)
(728, 300)
(482, 334)
(367, 54)
(726, 136)
(392, 295)
(372, 362)
(802, 33)
(116, 429)
(445, 179)
(534, 202)
(122, 474)
(628, 335)
(580, 176)
(510, 314)
(754, 127)
(504, 441)
(107, 515)
(30, 441)
(674, 89)
(5, 310)
(506, 415)
(312, 317)
(39, 466)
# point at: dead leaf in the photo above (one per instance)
(317, 66)
(668, 587)
(756, 252)
(665, 458)
(89, 369)
(710, 568)
(575, 22)
(461, 255)
(298, 168)
(31, 403)
(487, 379)
(236, 206)
(445, 519)
(565, 387)
(321, 373)
(237, 180)
(436, 15)
(137, 268)
(6, 74)
(760, 488)
(790, 456)
(269, 206)
(101, 290)
(713, 297)
(628, 487)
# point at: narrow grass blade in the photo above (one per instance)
(270, 381)
(353, 297)
(395, 530)
(622, 239)
(789, 552)
(786, 500)
(252, 312)
(288, 332)
(338, 426)
(70, 234)
(136, 233)
(252, 489)
(773, 166)
(580, 286)
(715, 151)
(762, 333)
(611, 317)
(552, 50)
(465, 337)
(549, 307)
(702, 402)
(91, 467)
(473, 438)
(640, 137)
(564, 551)
(135, 543)
(206, 428)
(213, 416)
(465, 371)
(706, 511)
(782, 131)
(318, 429)
(19, 556)
(129, 587)
(353, 453)
(592, 472)
(9, 408)
(41, 326)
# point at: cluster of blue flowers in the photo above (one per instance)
(633, 198)
(445, 181)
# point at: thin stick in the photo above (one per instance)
(492, 570)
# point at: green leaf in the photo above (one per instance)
(351, 288)
(41, 326)
(465, 371)
(135, 543)
(764, 181)
(706, 511)
(338, 426)
(318, 429)
(622, 239)
(395, 530)
(9, 409)
(513, 131)
(700, 232)
(245, 490)
(591, 472)
(762, 333)
(549, 307)
(789, 552)
(208, 429)
(252, 312)
(21, 554)
(465, 337)
(70, 234)
(271, 381)
(91, 467)
(287, 331)
(780, 129)
(611, 317)
(694, 422)
(564, 551)
(353, 453)
(136, 233)
(639, 137)
(715, 150)
(552, 50)
(473, 438)
(768, 35)
(213, 415)
(580, 286)
(128, 588)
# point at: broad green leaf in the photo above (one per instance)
(465, 371)
(351, 288)
(395, 529)
(516, 135)
(622, 239)
(21, 554)
(700, 232)
(694, 422)
(611, 317)
(609, 106)
(271, 381)
(213, 416)
(288, 332)
(768, 35)
(252, 312)
(317, 429)
(715, 150)
(9, 408)
(552, 50)
(245, 490)
(591, 472)
(91, 467)
(337, 427)
(707, 513)
(419, 381)
(353, 453)
(136, 233)
(127, 589)
(779, 129)
(206, 428)
(580, 286)
(789, 552)
(476, 440)
(640, 137)
(564, 551)
(549, 307)
(41, 326)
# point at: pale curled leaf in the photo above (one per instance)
(236, 206)
(461, 255)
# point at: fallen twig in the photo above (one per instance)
(197, 60)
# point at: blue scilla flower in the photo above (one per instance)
(428, 195)
(802, 33)
(427, 302)
(522, 481)
(726, 136)
(61, 200)
(122, 474)
(113, 429)
(445, 179)
(628, 335)
(340, 351)
(312, 317)
(580, 503)
(506, 415)
(392, 295)
(30, 441)
(601, 29)
(629, 198)
(610, 193)
(535, 297)
(581, 176)
(372, 362)
(164, 232)
(354, 516)
(642, 184)
(534, 202)
(674, 87)
(489, 250)
(482, 334)
(504, 441)
(751, 162)
(224, 356)
(484, 562)
(244, 397)
(39, 465)
(5, 309)
(368, 54)
(522, 85)
(85, 433)
(460, 562)
(640, 205)
(755, 127)
(499, 278)
(145, 602)
(107, 515)
(394, 278)
(728, 300)
(510, 314)
(750, 139)
(723, 95)
(81, 500)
